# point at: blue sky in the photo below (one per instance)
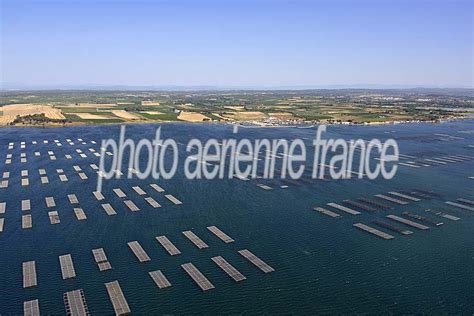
(237, 43)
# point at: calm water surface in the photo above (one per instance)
(323, 265)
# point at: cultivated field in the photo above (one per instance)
(192, 117)
(126, 115)
(89, 116)
(10, 112)
(246, 116)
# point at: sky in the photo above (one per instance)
(259, 43)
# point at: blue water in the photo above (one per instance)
(323, 265)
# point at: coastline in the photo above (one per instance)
(243, 124)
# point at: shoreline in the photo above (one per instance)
(241, 124)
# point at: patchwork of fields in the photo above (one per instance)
(254, 107)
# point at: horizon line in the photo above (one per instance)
(125, 87)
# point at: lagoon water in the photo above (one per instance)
(323, 265)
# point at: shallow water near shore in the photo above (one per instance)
(322, 265)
